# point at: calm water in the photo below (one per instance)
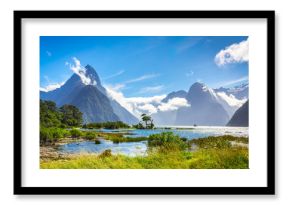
(128, 148)
(139, 148)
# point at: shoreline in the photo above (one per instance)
(50, 152)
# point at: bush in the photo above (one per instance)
(167, 141)
(75, 133)
(51, 135)
(97, 141)
(90, 135)
(220, 142)
(106, 125)
(106, 153)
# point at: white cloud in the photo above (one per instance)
(51, 87)
(114, 75)
(78, 69)
(188, 43)
(235, 53)
(231, 99)
(229, 102)
(152, 89)
(231, 82)
(148, 108)
(135, 105)
(148, 105)
(143, 77)
(173, 104)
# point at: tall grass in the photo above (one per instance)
(167, 151)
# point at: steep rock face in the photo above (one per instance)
(94, 104)
(204, 110)
(241, 117)
(122, 113)
(91, 98)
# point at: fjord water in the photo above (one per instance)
(139, 148)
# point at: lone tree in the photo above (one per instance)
(146, 119)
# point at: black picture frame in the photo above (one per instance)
(268, 190)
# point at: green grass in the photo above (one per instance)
(118, 137)
(220, 142)
(166, 151)
(201, 159)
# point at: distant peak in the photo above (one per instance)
(90, 68)
(91, 73)
(198, 85)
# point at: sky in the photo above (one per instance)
(146, 66)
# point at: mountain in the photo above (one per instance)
(241, 92)
(168, 117)
(229, 102)
(177, 94)
(205, 108)
(84, 90)
(122, 113)
(241, 116)
(94, 105)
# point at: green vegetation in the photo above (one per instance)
(65, 116)
(167, 151)
(51, 135)
(49, 114)
(71, 116)
(75, 133)
(221, 142)
(167, 141)
(53, 120)
(118, 137)
(201, 159)
(147, 122)
(90, 135)
(97, 141)
(106, 125)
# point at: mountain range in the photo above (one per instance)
(205, 106)
(85, 91)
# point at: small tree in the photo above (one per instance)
(145, 118)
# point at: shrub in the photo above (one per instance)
(51, 135)
(75, 133)
(106, 153)
(97, 141)
(220, 142)
(106, 125)
(167, 141)
(90, 135)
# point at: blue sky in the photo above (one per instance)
(147, 66)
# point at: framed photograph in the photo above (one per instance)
(144, 102)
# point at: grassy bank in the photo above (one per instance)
(167, 151)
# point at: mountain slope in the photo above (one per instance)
(241, 116)
(85, 91)
(94, 104)
(122, 113)
(204, 110)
